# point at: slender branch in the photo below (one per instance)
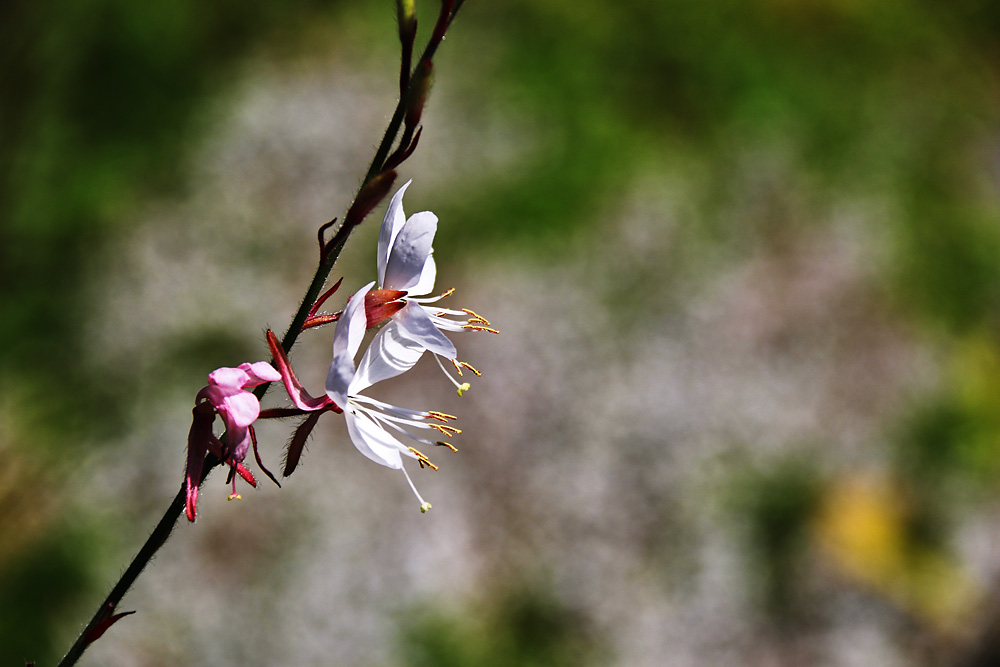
(153, 543)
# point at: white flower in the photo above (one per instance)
(376, 427)
(406, 266)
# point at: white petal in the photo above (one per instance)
(389, 355)
(372, 441)
(391, 224)
(427, 277)
(410, 250)
(346, 341)
(338, 379)
(351, 326)
(417, 325)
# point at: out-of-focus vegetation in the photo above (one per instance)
(781, 115)
(98, 102)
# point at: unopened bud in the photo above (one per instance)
(420, 88)
(407, 11)
(369, 197)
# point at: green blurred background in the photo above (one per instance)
(745, 406)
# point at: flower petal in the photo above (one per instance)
(351, 326)
(410, 251)
(372, 440)
(417, 325)
(238, 441)
(338, 379)
(390, 354)
(427, 278)
(259, 372)
(391, 224)
(239, 409)
(346, 340)
(231, 378)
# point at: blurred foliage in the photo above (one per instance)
(100, 99)
(875, 100)
(521, 627)
(38, 587)
(776, 508)
(874, 531)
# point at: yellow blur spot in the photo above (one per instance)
(862, 527)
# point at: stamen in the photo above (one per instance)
(470, 367)
(450, 446)
(447, 292)
(424, 505)
(446, 430)
(457, 367)
(462, 388)
(476, 317)
(441, 416)
(422, 459)
(476, 327)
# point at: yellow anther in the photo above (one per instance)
(446, 430)
(470, 367)
(422, 459)
(448, 292)
(454, 362)
(476, 317)
(476, 327)
(441, 416)
(425, 508)
(234, 496)
(464, 387)
(450, 446)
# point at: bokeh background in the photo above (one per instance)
(744, 255)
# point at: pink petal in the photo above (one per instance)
(240, 409)
(231, 378)
(259, 372)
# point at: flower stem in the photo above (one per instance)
(156, 540)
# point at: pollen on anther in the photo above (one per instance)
(447, 292)
(476, 327)
(471, 368)
(476, 317)
(450, 446)
(446, 430)
(441, 416)
(422, 459)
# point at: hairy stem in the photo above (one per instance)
(156, 540)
